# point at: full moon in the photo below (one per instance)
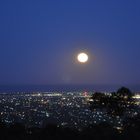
(82, 57)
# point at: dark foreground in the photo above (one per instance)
(96, 132)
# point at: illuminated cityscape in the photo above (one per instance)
(66, 109)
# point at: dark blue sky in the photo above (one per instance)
(39, 40)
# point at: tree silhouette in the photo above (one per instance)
(115, 104)
(124, 92)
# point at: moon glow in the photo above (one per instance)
(82, 57)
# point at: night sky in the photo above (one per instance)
(39, 41)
